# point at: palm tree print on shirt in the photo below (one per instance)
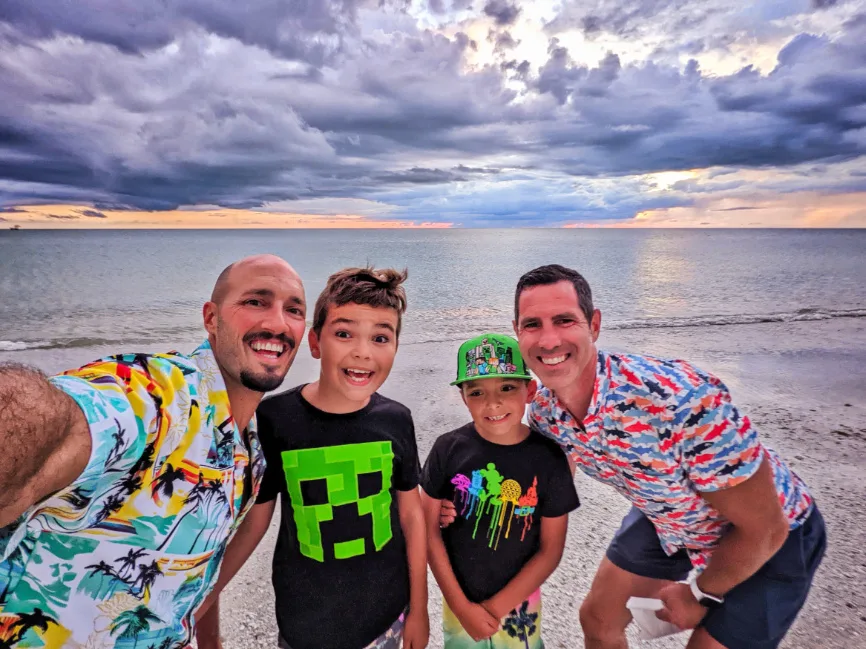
(132, 623)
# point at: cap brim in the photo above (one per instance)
(524, 377)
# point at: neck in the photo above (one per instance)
(243, 403)
(326, 398)
(515, 436)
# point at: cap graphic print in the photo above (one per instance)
(490, 356)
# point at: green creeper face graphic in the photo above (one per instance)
(340, 467)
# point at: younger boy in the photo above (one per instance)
(513, 491)
(349, 569)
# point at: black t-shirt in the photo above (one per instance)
(501, 493)
(340, 571)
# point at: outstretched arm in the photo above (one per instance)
(45, 440)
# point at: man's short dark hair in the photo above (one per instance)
(552, 274)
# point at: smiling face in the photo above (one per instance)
(557, 342)
(357, 345)
(497, 406)
(255, 321)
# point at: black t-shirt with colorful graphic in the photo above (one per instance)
(340, 570)
(501, 494)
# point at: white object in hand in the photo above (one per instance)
(643, 610)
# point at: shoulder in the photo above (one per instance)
(544, 446)
(383, 405)
(658, 379)
(277, 403)
(453, 442)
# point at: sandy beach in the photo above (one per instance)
(822, 434)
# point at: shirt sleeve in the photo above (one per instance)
(118, 438)
(433, 479)
(120, 412)
(408, 468)
(561, 495)
(720, 447)
(273, 480)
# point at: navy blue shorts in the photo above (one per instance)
(758, 613)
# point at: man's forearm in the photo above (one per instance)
(738, 556)
(207, 627)
(44, 437)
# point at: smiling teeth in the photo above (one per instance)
(498, 417)
(359, 373)
(261, 346)
(554, 360)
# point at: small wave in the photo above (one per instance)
(62, 343)
(801, 315)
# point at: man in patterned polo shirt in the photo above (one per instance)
(122, 481)
(705, 493)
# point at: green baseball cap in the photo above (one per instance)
(490, 356)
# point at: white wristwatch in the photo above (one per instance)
(704, 599)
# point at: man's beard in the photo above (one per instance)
(260, 382)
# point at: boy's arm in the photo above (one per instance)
(417, 629)
(240, 548)
(536, 570)
(440, 564)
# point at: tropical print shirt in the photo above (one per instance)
(125, 554)
(661, 432)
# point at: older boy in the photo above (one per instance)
(349, 568)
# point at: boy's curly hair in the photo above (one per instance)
(369, 286)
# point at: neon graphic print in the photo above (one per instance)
(340, 467)
(487, 493)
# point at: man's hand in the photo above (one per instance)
(681, 607)
(416, 630)
(447, 514)
(477, 621)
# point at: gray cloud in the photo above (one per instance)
(94, 214)
(502, 11)
(183, 112)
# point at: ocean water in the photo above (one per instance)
(788, 306)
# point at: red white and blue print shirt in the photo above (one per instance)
(661, 432)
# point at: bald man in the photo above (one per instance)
(122, 481)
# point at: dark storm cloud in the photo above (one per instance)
(502, 11)
(94, 214)
(396, 116)
(295, 29)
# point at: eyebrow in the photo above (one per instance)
(266, 292)
(565, 314)
(348, 321)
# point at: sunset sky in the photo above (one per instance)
(432, 113)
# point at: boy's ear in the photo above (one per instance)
(315, 348)
(462, 396)
(531, 389)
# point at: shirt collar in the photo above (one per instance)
(599, 390)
